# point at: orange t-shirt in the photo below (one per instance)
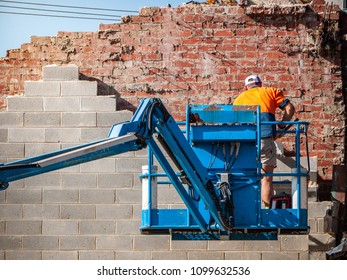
(267, 98)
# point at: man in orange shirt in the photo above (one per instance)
(269, 99)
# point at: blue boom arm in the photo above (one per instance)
(151, 118)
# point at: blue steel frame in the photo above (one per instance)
(264, 219)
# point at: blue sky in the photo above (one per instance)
(16, 29)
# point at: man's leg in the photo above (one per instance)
(266, 185)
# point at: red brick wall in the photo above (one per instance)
(201, 54)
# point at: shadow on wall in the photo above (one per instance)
(105, 89)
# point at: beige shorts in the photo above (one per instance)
(268, 152)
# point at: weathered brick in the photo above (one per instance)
(47, 180)
(169, 255)
(205, 255)
(36, 149)
(239, 255)
(280, 256)
(115, 180)
(127, 227)
(78, 180)
(3, 135)
(104, 165)
(294, 242)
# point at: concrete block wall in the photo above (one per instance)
(93, 210)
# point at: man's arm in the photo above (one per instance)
(289, 111)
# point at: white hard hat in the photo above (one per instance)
(252, 79)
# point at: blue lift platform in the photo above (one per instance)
(214, 165)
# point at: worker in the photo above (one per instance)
(269, 99)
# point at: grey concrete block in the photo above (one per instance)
(176, 255)
(125, 165)
(24, 104)
(40, 242)
(24, 135)
(60, 73)
(104, 165)
(128, 227)
(60, 196)
(132, 255)
(2, 227)
(35, 149)
(42, 119)
(79, 119)
(108, 119)
(239, 255)
(92, 227)
(98, 104)
(59, 227)
(23, 255)
(12, 150)
(152, 243)
(114, 211)
(10, 242)
(3, 135)
(77, 242)
(112, 242)
(262, 245)
(96, 255)
(318, 209)
(97, 196)
(227, 245)
(23, 227)
(280, 256)
(128, 196)
(190, 245)
(62, 135)
(41, 211)
(205, 255)
(60, 104)
(93, 134)
(60, 255)
(48, 180)
(78, 180)
(115, 180)
(294, 242)
(78, 211)
(11, 119)
(41, 88)
(79, 88)
(10, 211)
(23, 196)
